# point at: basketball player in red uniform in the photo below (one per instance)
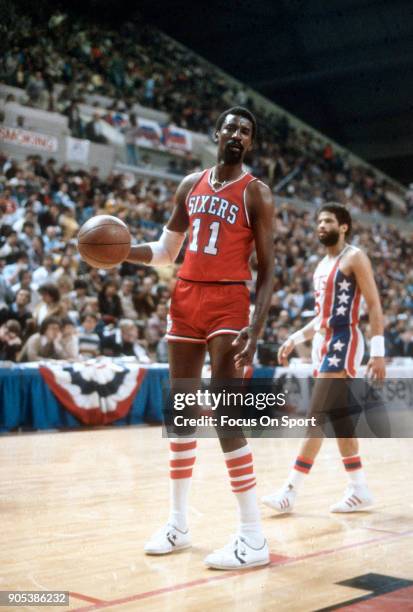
(227, 212)
(340, 280)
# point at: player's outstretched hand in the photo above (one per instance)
(284, 351)
(246, 341)
(376, 368)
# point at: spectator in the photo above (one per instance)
(19, 310)
(6, 294)
(11, 271)
(110, 306)
(45, 271)
(149, 91)
(94, 130)
(10, 340)
(36, 251)
(79, 294)
(65, 286)
(156, 325)
(68, 223)
(131, 134)
(25, 282)
(124, 342)
(145, 302)
(27, 235)
(67, 267)
(52, 241)
(63, 198)
(36, 90)
(45, 344)
(162, 351)
(89, 341)
(94, 279)
(75, 120)
(50, 304)
(49, 217)
(401, 339)
(69, 340)
(11, 248)
(126, 299)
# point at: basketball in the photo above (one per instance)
(104, 241)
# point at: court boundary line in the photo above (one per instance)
(95, 600)
(285, 560)
(381, 530)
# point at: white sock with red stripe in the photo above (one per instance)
(241, 472)
(354, 470)
(300, 470)
(182, 457)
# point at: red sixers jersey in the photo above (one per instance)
(220, 234)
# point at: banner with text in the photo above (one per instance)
(25, 138)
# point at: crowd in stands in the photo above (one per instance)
(137, 63)
(47, 294)
(53, 305)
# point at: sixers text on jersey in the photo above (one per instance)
(221, 238)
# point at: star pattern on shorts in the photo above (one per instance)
(333, 361)
(343, 298)
(341, 310)
(344, 285)
(338, 346)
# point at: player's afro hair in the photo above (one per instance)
(340, 212)
(240, 111)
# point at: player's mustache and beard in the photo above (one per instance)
(233, 152)
(330, 238)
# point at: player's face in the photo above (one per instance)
(328, 229)
(234, 139)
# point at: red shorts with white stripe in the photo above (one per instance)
(201, 311)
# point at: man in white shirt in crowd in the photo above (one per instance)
(123, 342)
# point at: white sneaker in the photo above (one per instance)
(282, 501)
(238, 554)
(167, 540)
(354, 500)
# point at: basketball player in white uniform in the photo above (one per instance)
(341, 279)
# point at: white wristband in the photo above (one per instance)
(297, 337)
(377, 346)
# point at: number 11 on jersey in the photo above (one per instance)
(210, 248)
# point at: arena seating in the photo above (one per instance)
(75, 64)
(55, 200)
(50, 183)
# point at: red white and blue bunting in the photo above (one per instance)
(98, 391)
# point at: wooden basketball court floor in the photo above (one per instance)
(77, 507)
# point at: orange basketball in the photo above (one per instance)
(104, 241)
